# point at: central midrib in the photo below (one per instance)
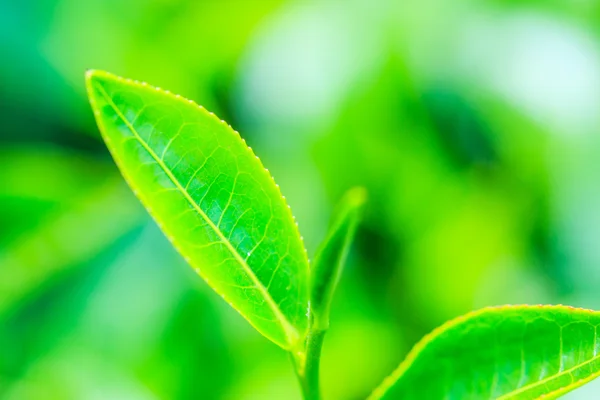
(548, 379)
(290, 332)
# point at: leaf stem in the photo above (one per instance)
(314, 343)
(325, 276)
(307, 366)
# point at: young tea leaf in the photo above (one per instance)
(330, 258)
(213, 199)
(510, 352)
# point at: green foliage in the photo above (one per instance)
(222, 210)
(511, 352)
(480, 160)
(213, 199)
(330, 259)
(41, 179)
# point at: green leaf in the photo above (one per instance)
(509, 352)
(212, 198)
(331, 256)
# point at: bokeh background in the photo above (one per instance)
(474, 125)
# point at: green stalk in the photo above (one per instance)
(325, 275)
(307, 365)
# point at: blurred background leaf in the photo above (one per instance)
(473, 125)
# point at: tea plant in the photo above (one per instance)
(223, 212)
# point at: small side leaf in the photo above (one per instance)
(212, 198)
(331, 256)
(509, 352)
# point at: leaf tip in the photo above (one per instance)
(93, 77)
